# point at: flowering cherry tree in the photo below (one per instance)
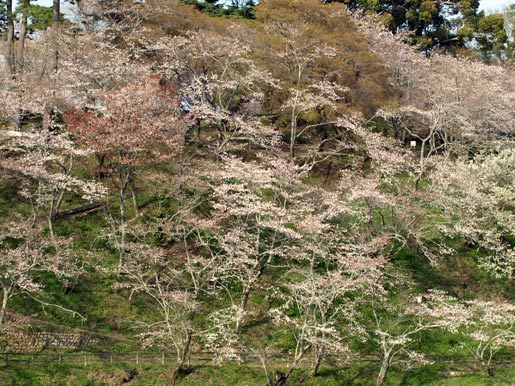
(468, 111)
(24, 253)
(264, 216)
(396, 327)
(136, 124)
(219, 85)
(321, 293)
(301, 100)
(151, 271)
(491, 328)
(479, 196)
(167, 263)
(251, 216)
(46, 161)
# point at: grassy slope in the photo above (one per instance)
(108, 311)
(97, 375)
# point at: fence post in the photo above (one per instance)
(137, 358)
(85, 359)
(32, 361)
(111, 358)
(163, 358)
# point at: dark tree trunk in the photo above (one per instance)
(243, 306)
(488, 368)
(20, 56)
(56, 7)
(182, 359)
(56, 12)
(283, 377)
(317, 362)
(11, 60)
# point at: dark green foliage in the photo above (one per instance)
(424, 18)
(442, 24)
(40, 18)
(491, 35)
(237, 8)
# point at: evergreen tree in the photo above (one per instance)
(218, 8)
(437, 23)
(40, 17)
(491, 36)
(426, 19)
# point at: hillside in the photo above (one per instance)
(296, 197)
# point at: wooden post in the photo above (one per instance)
(85, 359)
(137, 358)
(32, 360)
(162, 358)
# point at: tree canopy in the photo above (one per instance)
(40, 17)
(441, 24)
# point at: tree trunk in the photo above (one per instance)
(182, 359)
(134, 194)
(5, 298)
(385, 365)
(51, 227)
(50, 216)
(123, 229)
(283, 377)
(59, 198)
(53, 211)
(421, 164)
(56, 7)
(20, 56)
(488, 368)
(293, 135)
(317, 362)
(11, 59)
(243, 306)
(246, 293)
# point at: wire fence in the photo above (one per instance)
(206, 358)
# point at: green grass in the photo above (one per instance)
(236, 375)
(503, 377)
(108, 310)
